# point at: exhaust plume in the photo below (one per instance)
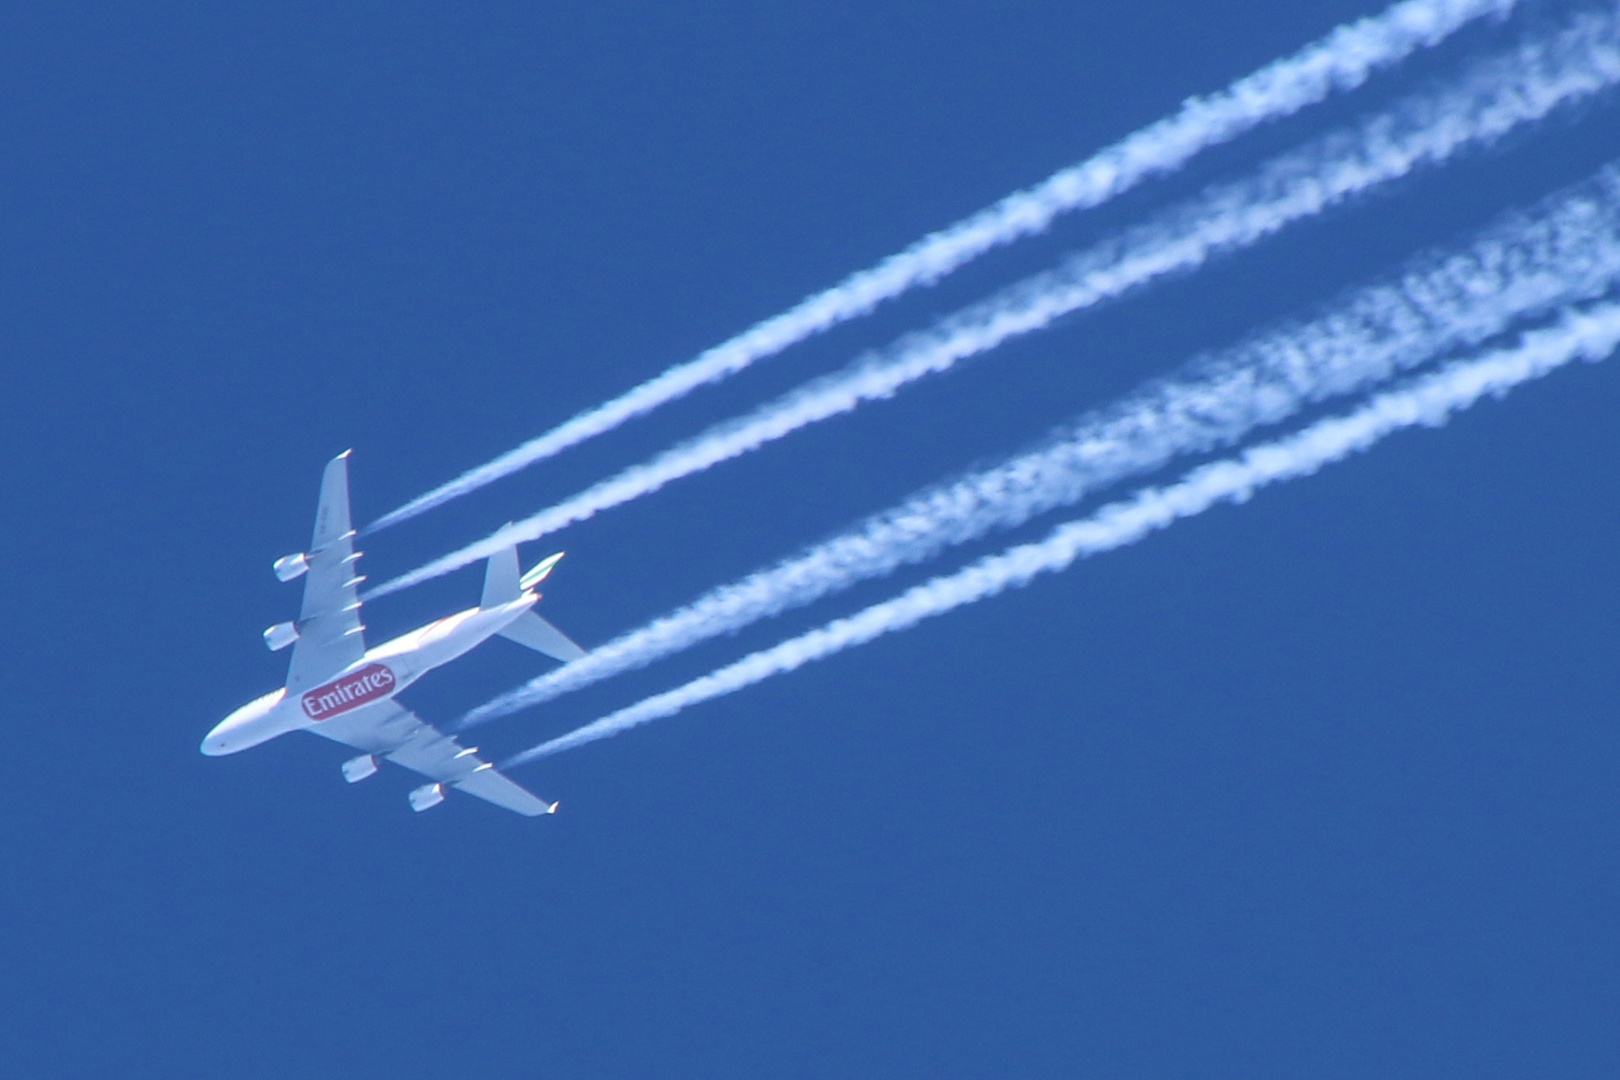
(1590, 335)
(1565, 250)
(1342, 60)
(1492, 99)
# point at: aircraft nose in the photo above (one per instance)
(215, 743)
(248, 726)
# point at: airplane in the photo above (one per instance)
(339, 689)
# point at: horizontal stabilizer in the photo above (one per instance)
(531, 630)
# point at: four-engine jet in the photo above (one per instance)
(336, 688)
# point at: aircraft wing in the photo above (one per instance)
(390, 730)
(330, 636)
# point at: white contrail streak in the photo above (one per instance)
(1492, 99)
(1342, 60)
(1429, 401)
(1566, 250)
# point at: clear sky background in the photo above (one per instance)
(1320, 786)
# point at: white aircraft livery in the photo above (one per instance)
(338, 689)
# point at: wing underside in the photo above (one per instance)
(389, 730)
(330, 636)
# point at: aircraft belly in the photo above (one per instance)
(380, 727)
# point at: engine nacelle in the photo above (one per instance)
(427, 797)
(289, 567)
(357, 769)
(280, 636)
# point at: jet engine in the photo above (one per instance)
(427, 797)
(289, 567)
(357, 769)
(281, 635)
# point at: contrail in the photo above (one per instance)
(1565, 250)
(1492, 99)
(1430, 401)
(1340, 61)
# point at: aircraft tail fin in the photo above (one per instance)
(501, 579)
(504, 583)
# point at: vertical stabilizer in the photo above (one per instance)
(501, 579)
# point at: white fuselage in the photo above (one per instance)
(377, 676)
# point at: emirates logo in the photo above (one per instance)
(350, 692)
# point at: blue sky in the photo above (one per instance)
(1322, 785)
